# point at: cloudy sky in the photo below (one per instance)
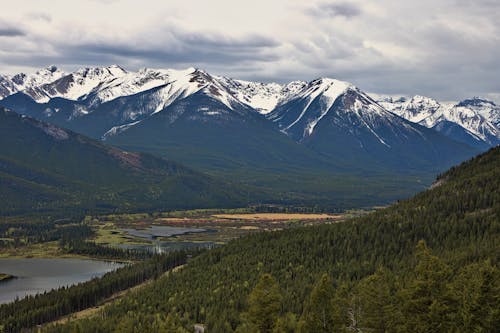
(446, 49)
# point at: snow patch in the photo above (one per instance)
(119, 129)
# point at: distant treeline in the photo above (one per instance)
(94, 250)
(200, 213)
(24, 231)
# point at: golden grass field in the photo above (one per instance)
(276, 216)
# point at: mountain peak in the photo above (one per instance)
(327, 82)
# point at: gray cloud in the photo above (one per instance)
(9, 30)
(343, 9)
(179, 47)
(174, 47)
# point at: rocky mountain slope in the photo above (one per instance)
(472, 121)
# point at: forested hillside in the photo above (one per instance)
(427, 264)
(47, 169)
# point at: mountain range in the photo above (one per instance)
(321, 139)
(474, 121)
(479, 118)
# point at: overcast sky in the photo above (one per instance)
(446, 49)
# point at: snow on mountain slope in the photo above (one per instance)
(129, 84)
(300, 115)
(467, 117)
(7, 87)
(488, 109)
(118, 129)
(414, 109)
(94, 86)
(100, 101)
(19, 82)
(330, 90)
(75, 85)
(263, 97)
(477, 118)
(107, 83)
(176, 84)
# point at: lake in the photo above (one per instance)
(36, 275)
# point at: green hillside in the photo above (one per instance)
(380, 276)
(44, 168)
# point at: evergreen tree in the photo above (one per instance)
(264, 304)
(286, 324)
(426, 300)
(377, 303)
(477, 288)
(318, 311)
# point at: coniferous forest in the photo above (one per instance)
(427, 264)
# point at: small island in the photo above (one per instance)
(6, 277)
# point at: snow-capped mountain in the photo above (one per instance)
(75, 85)
(20, 82)
(488, 109)
(337, 119)
(188, 108)
(298, 115)
(133, 95)
(473, 121)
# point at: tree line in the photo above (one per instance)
(49, 306)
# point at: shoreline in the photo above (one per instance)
(6, 277)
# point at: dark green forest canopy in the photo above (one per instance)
(459, 219)
(48, 170)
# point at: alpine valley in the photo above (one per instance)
(324, 141)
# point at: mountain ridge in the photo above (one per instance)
(473, 121)
(99, 85)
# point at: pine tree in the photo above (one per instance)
(264, 304)
(377, 303)
(318, 311)
(286, 324)
(426, 301)
(477, 288)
